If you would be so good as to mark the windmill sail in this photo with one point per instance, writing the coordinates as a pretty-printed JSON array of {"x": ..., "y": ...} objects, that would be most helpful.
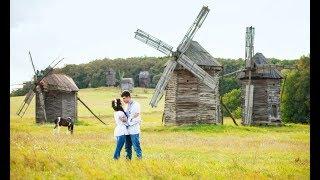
[
  {"x": 249, "y": 65},
  {"x": 153, "y": 42},
  {"x": 202, "y": 75},
  {"x": 162, "y": 83},
  {"x": 249, "y": 46},
  {"x": 25, "y": 103},
  {"x": 192, "y": 30},
  {"x": 248, "y": 105}
]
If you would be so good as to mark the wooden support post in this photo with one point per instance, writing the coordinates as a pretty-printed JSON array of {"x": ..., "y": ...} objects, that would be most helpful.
[
  {"x": 91, "y": 111},
  {"x": 234, "y": 121},
  {"x": 221, "y": 110},
  {"x": 282, "y": 89}
]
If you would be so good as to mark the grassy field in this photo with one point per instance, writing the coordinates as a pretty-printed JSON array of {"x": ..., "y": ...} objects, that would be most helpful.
[{"x": 185, "y": 152}]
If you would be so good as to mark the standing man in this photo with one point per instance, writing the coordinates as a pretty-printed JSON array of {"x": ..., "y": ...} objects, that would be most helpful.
[{"x": 134, "y": 120}]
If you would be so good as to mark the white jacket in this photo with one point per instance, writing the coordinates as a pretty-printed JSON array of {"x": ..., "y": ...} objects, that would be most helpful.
[
  {"x": 120, "y": 128},
  {"x": 134, "y": 123}
]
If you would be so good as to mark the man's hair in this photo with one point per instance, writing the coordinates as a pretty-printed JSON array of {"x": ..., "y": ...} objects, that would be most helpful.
[{"x": 125, "y": 94}]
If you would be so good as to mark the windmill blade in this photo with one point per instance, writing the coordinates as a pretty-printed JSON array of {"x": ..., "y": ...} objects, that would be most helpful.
[
  {"x": 37, "y": 82},
  {"x": 162, "y": 83},
  {"x": 202, "y": 75},
  {"x": 282, "y": 88},
  {"x": 90, "y": 110},
  {"x": 53, "y": 61},
  {"x": 34, "y": 69},
  {"x": 183, "y": 46},
  {"x": 234, "y": 72},
  {"x": 17, "y": 84},
  {"x": 248, "y": 105},
  {"x": 41, "y": 101},
  {"x": 25, "y": 103},
  {"x": 153, "y": 42},
  {"x": 249, "y": 46}
]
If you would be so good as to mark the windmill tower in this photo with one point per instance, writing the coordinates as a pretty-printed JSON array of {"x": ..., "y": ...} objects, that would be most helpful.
[
  {"x": 144, "y": 79},
  {"x": 56, "y": 95},
  {"x": 190, "y": 79},
  {"x": 260, "y": 87},
  {"x": 127, "y": 84},
  {"x": 110, "y": 77}
]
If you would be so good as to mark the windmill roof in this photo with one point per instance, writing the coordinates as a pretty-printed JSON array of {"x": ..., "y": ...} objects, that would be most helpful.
[
  {"x": 259, "y": 61},
  {"x": 200, "y": 56},
  {"x": 59, "y": 82},
  {"x": 110, "y": 72},
  {"x": 127, "y": 80},
  {"x": 143, "y": 74}
]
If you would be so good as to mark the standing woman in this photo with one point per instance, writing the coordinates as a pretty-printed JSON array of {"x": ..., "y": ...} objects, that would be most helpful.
[{"x": 120, "y": 130}]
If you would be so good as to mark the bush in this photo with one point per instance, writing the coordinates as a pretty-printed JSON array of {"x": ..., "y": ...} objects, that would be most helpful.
[{"x": 232, "y": 100}]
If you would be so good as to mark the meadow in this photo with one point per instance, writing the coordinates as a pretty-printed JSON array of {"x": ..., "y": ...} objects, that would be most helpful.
[{"x": 169, "y": 152}]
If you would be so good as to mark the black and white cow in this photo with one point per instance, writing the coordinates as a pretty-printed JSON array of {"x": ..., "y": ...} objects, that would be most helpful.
[{"x": 60, "y": 121}]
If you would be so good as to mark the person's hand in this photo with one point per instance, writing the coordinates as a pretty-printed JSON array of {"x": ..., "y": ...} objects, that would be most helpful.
[
  {"x": 136, "y": 115},
  {"x": 123, "y": 119}
]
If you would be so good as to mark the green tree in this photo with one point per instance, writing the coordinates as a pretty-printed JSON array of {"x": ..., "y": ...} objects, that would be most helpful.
[
  {"x": 295, "y": 103},
  {"x": 232, "y": 100}
]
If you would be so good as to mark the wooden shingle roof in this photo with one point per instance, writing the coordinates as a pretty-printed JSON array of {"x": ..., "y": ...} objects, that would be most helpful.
[
  {"x": 127, "y": 80},
  {"x": 259, "y": 63},
  {"x": 144, "y": 74},
  {"x": 200, "y": 56},
  {"x": 58, "y": 82}
]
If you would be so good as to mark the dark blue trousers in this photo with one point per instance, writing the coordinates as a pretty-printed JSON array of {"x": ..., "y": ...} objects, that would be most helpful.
[
  {"x": 133, "y": 140},
  {"x": 120, "y": 142}
]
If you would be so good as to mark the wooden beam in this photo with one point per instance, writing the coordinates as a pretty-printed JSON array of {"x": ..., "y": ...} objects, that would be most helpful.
[
  {"x": 234, "y": 121},
  {"x": 90, "y": 110}
]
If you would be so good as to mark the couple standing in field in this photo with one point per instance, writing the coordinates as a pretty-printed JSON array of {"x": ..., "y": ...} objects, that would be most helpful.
[{"x": 127, "y": 130}]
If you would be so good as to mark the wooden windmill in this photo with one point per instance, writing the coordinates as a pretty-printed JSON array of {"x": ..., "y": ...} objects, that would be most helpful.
[
  {"x": 144, "y": 79},
  {"x": 260, "y": 87},
  {"x": 56, "y": 95},
  {"x": 190, "y": 79},
  {"x": 110, "y": 77},
  {"x": 35, "y": 89}
]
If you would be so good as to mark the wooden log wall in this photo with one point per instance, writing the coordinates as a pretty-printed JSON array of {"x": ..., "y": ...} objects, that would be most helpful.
[
  {"x": 110, "y": 79},
  {"x": 144, "y": 82},
  {"x": 68, "y": 105},
  {"x": 209, "y": 102},
  {"x": 188, "y": 101},
  {"x": 170, "y": 100},
  {"x": 266, "y": 92},
  {"x": 274, "y": 100},
  {"x": 57, "y": 104},
  {"x": 126, "y": 86}
]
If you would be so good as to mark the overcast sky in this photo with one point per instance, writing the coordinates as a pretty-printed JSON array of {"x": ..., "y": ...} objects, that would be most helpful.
[{"x": 82, "y": 30}]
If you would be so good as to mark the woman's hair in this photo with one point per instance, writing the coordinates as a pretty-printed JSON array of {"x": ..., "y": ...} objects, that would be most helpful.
[{"x": 117, "y": 106}]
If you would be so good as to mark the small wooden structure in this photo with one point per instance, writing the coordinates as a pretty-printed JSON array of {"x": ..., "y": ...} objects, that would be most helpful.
[
  {"x": 59, "y": 96},
  {"x": 187, "y": 99},
  {"x": 266, "y": 92},
  {"x": 144, "y": 79},
  {"x": 127, "y": 84},
  {"x": 110, "y": 77}
]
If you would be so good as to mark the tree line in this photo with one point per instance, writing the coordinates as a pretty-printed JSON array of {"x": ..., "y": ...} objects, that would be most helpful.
[{"x": 295, "y": 101}]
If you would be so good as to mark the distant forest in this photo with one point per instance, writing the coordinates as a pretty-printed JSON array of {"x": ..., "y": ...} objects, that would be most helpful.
[{"x": 296, "y": 94}]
